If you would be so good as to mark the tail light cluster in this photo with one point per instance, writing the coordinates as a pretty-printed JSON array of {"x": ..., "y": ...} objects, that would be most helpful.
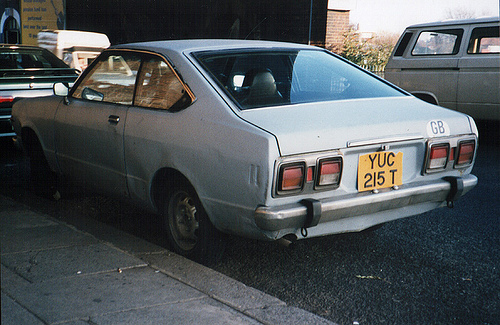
[
  {"x": 294, "y": 177},
  {"x": 440, "y": 155},
  {"x": 6, "y": 101}
]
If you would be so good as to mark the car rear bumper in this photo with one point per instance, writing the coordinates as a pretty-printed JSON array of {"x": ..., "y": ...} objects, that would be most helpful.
[{"x": 309, "y": 213}]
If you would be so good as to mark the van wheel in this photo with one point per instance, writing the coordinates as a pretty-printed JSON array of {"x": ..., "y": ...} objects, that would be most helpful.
[
  {"x": 43, "y": 181},
  {"x": 189, "y": 230}
]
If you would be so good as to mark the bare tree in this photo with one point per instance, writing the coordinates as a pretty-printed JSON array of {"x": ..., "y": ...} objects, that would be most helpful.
[{"x": 460, "y": 13}]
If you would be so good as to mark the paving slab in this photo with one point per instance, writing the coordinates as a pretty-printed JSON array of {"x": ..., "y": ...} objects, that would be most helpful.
[
  {"x": 203, "y": 311},
  {"x": 15, "y": 314},
  {"x": 214, "y": 284},
  {"x": 19, "y": 236},
  {"x": 74, "y": 298},
  {"x": 42, "y": 265}
]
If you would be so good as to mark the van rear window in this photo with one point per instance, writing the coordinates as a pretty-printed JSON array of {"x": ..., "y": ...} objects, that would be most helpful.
[
  {"x": 438, "y": 42},
  {"x": 484, "y": 40}
]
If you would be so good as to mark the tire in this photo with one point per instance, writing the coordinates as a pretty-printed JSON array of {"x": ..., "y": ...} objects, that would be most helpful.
[
  {"x": 189, "y": 230},
  {"x": 43, "y": 181}
]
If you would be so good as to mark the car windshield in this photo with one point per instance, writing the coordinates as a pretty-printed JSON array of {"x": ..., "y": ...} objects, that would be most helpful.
[{"x": 269, "y": 78}]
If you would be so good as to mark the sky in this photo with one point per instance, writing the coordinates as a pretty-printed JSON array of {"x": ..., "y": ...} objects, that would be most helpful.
[{"x": 394, "y": 15}]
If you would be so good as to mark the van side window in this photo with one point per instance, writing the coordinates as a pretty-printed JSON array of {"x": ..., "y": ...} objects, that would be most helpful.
[
  {"x": 438, "y": 42},
  {"x": 484, "y": 40},
  {"x": 403, "y": 44}
]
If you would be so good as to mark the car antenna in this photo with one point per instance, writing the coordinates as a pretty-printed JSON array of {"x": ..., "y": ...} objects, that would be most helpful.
[{"x": 255, "y": 27}]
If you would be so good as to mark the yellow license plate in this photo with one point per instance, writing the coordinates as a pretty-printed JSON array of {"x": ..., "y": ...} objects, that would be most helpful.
[{"x": 378, "y": 170}]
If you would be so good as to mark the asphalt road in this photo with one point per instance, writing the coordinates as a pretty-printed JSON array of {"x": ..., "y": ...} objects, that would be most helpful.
[{"x": 441, "y": 267}]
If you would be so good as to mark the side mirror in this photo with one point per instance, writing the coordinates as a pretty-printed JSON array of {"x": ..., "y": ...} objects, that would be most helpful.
[{"x": 61, "y": 89}]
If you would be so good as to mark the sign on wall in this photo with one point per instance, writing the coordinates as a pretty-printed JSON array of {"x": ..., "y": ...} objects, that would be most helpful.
[{"x": 37, "y": 15}]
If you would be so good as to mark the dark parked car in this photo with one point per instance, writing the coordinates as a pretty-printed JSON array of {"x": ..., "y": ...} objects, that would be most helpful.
[{"x": 27, "y": 71}]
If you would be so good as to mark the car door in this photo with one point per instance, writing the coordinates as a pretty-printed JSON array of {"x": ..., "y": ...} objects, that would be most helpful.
[
  {"x": 154, "y": 131},
  {"x": 89, "y": 126}
]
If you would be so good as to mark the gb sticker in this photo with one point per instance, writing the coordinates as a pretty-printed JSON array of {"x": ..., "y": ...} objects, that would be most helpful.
[{"x": 437, "y": 128}]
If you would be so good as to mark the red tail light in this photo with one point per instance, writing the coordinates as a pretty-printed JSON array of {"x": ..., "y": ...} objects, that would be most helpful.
[
  {"x": 6, "y": 99},
  {"x": 438, "y": 156},
  {"x": 291, "y": 177},
  {"x": 465, "y": 153},
  {"x": 329, "y": 172}
]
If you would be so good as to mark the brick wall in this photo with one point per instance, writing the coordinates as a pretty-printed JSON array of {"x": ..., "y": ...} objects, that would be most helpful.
[{"x": 337, "y": 24}]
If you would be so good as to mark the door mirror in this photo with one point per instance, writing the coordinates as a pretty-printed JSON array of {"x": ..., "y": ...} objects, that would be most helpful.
[{"x": 61, "y": 89}]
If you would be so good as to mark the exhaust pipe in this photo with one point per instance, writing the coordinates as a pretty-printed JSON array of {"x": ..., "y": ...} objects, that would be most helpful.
[{"x": 287, "y": 240}]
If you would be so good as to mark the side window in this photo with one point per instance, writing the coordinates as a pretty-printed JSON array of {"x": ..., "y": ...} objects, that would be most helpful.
[
  {"x": 484, "y": 40},
  {"x": 438, "y": 42},
  {"x": 111, "y": 80},
  {"x": 158, "y": 86}
]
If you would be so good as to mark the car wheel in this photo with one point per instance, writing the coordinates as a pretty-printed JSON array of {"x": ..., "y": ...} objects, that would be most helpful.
[
  {"x": 43, "y": 181},
  {"x": 189, "y": 230}
]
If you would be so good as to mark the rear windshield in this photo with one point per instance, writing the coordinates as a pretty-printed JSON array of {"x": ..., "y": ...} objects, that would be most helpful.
[
  {"x": 33, "y": 59},
  {"x": 273, "y": 77}
]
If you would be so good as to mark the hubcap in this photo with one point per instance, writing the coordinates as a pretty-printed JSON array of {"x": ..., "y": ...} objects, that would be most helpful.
[{"x": 183, "y": 221}]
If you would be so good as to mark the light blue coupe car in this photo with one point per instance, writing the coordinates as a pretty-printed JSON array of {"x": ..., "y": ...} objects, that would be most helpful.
[{"x": 266, "y": 140}]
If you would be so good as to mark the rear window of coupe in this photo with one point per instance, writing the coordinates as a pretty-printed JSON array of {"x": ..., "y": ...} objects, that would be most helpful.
[{"x": 260, "y": 78}]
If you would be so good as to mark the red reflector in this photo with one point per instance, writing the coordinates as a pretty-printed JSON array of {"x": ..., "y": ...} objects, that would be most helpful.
[
  {"x": 292, "y": 177},
  {"x": 329, "y": 172},
  {"x": 7, "y": 99},
  {"x": 438, "y": 156},
  {"x": 452, "y": 154},
  {"x": 310, "y": 174},
  {"x": 465, "y": 153}
]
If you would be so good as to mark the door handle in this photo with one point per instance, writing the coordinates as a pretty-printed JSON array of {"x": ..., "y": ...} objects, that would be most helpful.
[{"x": 113, "y": 119}]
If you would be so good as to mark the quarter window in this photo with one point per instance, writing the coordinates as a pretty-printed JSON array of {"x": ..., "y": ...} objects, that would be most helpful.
[
  {"x": 484, "y": 40},
  {"x": 438, "y": 42},
  {"x": 403, "y": 44},
  {"x": 158, "y": 86}
]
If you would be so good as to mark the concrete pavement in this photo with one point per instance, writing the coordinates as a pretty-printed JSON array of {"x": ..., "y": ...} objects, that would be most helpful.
[{"x": 54, "y": 273}]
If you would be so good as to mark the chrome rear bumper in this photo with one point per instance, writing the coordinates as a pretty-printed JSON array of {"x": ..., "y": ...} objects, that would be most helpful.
[{"x": 311, "y": 212}]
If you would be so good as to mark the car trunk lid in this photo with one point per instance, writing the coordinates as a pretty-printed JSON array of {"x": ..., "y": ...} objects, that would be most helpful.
[{"x": 330, "y": 125}]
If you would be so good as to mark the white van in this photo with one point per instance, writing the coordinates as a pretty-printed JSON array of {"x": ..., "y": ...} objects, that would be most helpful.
[
  {"x": 76, "y": 48},
  {"x": 455, "y": 64}
]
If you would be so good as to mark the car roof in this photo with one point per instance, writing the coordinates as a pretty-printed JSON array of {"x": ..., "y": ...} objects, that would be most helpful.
[
  {"x": 457, "y": 22},
  {"x": 208, "y": 44}
]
